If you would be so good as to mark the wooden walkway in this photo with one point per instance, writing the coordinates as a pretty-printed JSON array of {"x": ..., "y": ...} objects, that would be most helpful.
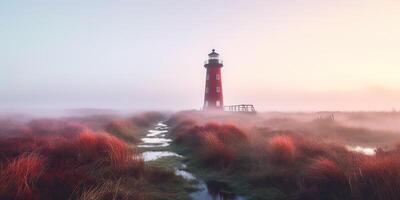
[{"x": 245, "y": 108}]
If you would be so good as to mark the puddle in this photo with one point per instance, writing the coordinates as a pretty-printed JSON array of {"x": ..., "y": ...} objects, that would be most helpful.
[
  {"x": 160, "y": 129},
  {"x": 186, "y": 175},
  {"x": 156, "y": 137},
  {"x": 364, "y": 150},
  {"x": 160, "y": 124},
  {"x": 154, "y": 155},
  {"x": 156, "y": 140},
  {"x": 153, "y": 133},
  {"x": 153, "y": 145},
  {"x": 213, "y": 190}
]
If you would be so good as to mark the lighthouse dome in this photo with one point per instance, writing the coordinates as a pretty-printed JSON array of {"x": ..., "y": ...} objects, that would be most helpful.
[
  {"x": 213, "y": 55},
  {"x": 213, "y": 60}
]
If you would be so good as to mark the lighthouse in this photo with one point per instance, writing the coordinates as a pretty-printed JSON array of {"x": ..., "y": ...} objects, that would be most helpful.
[{"x": 213, "y": 98}]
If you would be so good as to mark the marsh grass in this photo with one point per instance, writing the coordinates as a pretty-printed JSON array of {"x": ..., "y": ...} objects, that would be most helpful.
[
  {"x": 53, "y": 159},
  {"x": 288, "y": 163}
]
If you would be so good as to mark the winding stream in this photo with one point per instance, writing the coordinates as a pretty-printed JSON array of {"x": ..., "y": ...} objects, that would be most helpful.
[{"x": 158, "y": 137}]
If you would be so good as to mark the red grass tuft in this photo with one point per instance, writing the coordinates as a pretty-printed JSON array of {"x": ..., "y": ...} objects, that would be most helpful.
[
  {"x": 123, "y": 129},
  {"x": 217, "y": 144},
  {"x": 327, "y": 180},
  {"x": 325, "y": 170},
  {"x": 380, "y": 176},
  {"x": 215, "y": 152},
  {"x": 281, "y": 149},
  {"x": 117, "y": 151},
  {"x": 11, "y": 148},
  {"x": 188, "y": 133},
  {"x": 230, "y": 134},
  {"x": 21, "y": 174},
  {"x": 87, "y": 139},
  {"x": 96, "y": 146}
]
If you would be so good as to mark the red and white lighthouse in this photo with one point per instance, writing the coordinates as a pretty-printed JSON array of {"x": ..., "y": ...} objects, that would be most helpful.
[{"x": 213, "y": 98}]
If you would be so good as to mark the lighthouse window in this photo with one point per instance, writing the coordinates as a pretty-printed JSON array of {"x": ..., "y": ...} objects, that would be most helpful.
[
  {"x": 217, "y": 77},
  {"x": 218, "y": 89},
  {"x": 206, "y": 89},
  {"x": 218, "y": 103},
  {"x": 208, "y": 77}
]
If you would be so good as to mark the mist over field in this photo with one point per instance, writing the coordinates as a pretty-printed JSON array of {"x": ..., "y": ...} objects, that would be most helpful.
[{"x": 296, "y": 155}]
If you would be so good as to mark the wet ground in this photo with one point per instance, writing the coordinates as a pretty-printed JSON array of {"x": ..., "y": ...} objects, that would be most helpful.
[
  {"x": 364, "y": 150},
  {"x": 158, "y": 138}
]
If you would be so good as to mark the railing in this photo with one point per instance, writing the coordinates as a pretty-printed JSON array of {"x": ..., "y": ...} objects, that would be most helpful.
[
  {"x": 213, "y": 61},
  {"x": 246, "y": 108},
  {"x": 325, "y": 117}
]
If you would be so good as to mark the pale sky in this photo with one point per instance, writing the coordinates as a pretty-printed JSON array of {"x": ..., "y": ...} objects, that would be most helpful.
[{"x": 281, "y": 55}]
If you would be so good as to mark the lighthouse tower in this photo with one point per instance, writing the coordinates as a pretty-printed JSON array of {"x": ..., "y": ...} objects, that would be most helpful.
[{"x": 213, "y": 99}]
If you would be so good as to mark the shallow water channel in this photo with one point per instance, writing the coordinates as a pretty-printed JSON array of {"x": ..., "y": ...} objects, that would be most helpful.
[{"x": 158, "y": 137}]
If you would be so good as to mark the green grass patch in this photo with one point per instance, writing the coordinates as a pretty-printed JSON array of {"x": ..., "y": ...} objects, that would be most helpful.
[{"x": 237, "y": 180}]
